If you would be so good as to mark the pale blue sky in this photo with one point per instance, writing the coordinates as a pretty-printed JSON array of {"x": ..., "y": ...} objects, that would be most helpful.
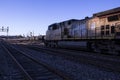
[{"x": 23, "y": 16}]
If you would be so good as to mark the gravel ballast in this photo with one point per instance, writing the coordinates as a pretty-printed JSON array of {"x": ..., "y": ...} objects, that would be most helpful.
[{"x": 75, "y": 70}]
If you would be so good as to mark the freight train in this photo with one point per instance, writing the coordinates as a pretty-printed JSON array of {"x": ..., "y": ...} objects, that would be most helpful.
[{"x": 100, "y": 33}]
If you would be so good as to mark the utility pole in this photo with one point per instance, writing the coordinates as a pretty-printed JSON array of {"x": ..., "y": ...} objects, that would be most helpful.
[{"x": 7, "y": 31}]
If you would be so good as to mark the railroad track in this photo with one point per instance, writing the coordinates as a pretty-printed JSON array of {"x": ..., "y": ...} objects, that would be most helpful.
[
  {"x": 31, "y": 68},
  {"x": 8, "y": 69},
  {"x": 108, "y": 62}
]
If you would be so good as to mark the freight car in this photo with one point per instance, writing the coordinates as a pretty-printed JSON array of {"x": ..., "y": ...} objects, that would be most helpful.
[{"x": 100, "y": 33}]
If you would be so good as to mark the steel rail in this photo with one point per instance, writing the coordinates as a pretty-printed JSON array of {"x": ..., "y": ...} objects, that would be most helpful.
[
  {"x": 45, "y": 65},
  {"x": 55, "y": 71},
  {"x": 22, "y": 69},
  {"x": 97, "y": 60}
]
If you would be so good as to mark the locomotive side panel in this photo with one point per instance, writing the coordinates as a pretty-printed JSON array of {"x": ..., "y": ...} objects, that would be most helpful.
[
  {"x": 109, "y": 26},
  {"x": 67, "y": 28},
  {"x": 79, "y": 29},
  {"x": 93, "y": 28},
  {"x": 109, "y": 22}
]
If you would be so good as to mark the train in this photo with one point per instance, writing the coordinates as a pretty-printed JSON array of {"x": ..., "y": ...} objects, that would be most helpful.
[{"x": 99, "y": 33}]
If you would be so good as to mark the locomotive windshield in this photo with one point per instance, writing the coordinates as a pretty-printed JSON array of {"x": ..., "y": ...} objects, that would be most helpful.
[{"x": 53, "y": 27}]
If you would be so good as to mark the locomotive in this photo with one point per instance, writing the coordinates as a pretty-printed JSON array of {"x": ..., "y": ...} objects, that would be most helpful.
[{"x": 100, "y": 33}]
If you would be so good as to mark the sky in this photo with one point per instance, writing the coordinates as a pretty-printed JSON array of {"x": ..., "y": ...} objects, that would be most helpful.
[{"x": 25, "y": 16}]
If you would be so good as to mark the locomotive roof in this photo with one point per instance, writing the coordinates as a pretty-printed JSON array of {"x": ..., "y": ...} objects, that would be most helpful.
[
  {"x": 64, "y": 21},
  {"x": 52, "y": 24},
  {"x": 70, "y": 20},
  {"x": 103, "y": 13}
]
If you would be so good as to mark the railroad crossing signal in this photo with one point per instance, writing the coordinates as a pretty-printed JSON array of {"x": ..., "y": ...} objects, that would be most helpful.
[{"x": 4, "y": 30}]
